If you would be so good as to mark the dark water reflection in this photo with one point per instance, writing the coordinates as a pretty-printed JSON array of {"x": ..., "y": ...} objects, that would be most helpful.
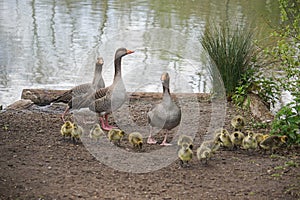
[{"x": 54, "y": 44}]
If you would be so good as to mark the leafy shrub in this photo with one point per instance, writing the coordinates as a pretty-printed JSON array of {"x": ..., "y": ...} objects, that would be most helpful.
[
  {"x": 287, "y": 122},
  {"x": 253, "y": 81}
]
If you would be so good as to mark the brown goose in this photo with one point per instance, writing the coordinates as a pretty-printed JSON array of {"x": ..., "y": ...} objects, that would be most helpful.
[
  {"x": 74, "y": 96},
  {"x": 106, "y": 100},
  {"x": 165, "y": 115}
]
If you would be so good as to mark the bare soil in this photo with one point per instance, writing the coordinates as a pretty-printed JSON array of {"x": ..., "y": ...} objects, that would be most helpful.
[{"x": 37, "y": 163}]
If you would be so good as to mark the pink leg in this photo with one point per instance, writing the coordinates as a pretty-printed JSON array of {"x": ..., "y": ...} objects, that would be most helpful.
[
  {"x": 64, "y": 114},
  {"x": 102, "y": 122},
  {"x": 105, "y": 124},
  {"x": 164, "y": 142},
  {"x": 150, "y": 139}
]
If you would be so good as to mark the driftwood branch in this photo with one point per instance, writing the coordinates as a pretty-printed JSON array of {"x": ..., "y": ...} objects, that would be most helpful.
[
  {"x": 45, "y": 97},
  {"x": 41, "y": 96}
]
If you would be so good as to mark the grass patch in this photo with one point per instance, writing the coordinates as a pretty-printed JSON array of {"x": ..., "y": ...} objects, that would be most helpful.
[
  {"x": 279, "y": 168},
  {"x": 231, "y": 50},
  {"x": 276, "y": 175}
]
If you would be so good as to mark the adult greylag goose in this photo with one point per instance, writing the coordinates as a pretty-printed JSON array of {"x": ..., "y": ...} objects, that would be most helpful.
[
  {"x": 74, "y": 96},
  {"x": 106, "y": 100},
  {"x": 165, "y": 115}
]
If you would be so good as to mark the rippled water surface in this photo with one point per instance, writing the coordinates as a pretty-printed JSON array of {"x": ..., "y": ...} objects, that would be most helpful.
[{"x": 54, "y": 44}]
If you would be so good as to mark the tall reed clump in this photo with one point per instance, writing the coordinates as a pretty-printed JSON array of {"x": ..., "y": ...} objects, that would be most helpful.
[{"x": 231, "y": 50}]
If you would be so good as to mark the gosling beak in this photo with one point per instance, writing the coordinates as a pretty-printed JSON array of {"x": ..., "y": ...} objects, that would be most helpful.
[{"x": 129, "y": 51}]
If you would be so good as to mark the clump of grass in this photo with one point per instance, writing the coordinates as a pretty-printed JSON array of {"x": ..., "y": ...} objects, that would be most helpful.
[{"x": 231, "y": 50}]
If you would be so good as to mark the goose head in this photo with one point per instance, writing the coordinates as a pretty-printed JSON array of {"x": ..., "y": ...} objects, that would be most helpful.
[
  {"x": 99, "y": 65},
  {"x": 122, "y": 52},
  {"x": 165, "y": 79},
  {"x": 100, "y": 61}
]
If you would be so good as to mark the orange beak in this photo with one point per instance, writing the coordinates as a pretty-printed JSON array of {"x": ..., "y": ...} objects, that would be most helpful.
[{"x": 129, "y": 51}]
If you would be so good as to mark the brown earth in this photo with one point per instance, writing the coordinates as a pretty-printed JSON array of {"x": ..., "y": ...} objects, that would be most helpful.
[{"x": 37, "y": 163}]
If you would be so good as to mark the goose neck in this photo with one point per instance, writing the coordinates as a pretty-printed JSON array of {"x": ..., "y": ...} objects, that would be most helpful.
[
  {"x": 117, "y": 68},
  {"x": 166, "y": 93},
  {"x": 97, "y": 74}
]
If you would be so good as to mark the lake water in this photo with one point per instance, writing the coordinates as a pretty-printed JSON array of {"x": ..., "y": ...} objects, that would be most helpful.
[{"x": 54, "y": 44}]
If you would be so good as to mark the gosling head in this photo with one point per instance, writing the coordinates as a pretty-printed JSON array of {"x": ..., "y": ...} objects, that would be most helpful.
[
  {"x": 140, "y": 144},
  {"x": 236, "y": 135},
  {"x": 185, "y": 147},
  {"x": 283, "y": 139},
  {"x": 206, "y": 154},
  {"x": 250, "y": 134},
  {"x": 75, "y": 126},
  {"x": 68, "y": 124},
  {"x": 121, "y": 133},
  {"x": 96, "y": 126},
  {"x": 224, "y": 133}
]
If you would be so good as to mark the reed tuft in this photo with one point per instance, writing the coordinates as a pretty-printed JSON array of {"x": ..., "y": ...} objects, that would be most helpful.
[{"x": 231, "y": 51}]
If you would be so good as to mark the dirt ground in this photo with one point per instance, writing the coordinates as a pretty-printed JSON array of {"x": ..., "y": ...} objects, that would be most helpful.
[{"x": 37, "y": 163}]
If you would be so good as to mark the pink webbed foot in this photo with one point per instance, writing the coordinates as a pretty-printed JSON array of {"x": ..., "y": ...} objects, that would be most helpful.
[
  {"x": 105, "y": 125},
  {"x": 108, "y": 127},
  {"x": 164, "y": 143},
  {"x": 150, "y": 140}
]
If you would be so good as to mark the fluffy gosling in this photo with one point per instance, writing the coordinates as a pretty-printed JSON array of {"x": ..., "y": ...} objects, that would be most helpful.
[
  {"x": 185, "y": 154},
  {"x": 76, "y": 133},
  {"x": 136, "y": 139},
  {"x": 115, "y": 136},
  {"x": 237, "y": 138},
  {"x": 207, "y": 149},
  {"x": 203, "y": 154},
  {"x": 249, "y": 141},
  {"x": 96, "y": 132},
  {"x": 260, "y": 137},
  {"x": 273, "y": 142},
  {"x": 214, "y": 145},
  {"x": 66, "y": 129},
  {"x": 224, "y": 137},
  {"x": 238, "y": 122},
  {"x": 185, "y": 139}
]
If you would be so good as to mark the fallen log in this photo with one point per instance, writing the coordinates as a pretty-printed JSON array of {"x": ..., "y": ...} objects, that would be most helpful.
[
  {"x": 41, "y": 97},
  {"x": 44, "y": 97},
  {"x": 21, "y": 104}
]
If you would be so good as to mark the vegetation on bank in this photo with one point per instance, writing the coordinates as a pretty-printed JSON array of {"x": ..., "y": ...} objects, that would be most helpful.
[
  {"x": 231, "y": 51},
  {"x": 286, "y": 60},
  {"x": 267, "y": 71}
]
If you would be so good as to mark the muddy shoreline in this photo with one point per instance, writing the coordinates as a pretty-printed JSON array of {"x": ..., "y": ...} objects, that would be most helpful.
[{"x": 37, "y": 163}]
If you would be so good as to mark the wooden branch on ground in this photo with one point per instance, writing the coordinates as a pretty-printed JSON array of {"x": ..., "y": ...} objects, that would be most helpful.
[{"x": 43, "y": 97}]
